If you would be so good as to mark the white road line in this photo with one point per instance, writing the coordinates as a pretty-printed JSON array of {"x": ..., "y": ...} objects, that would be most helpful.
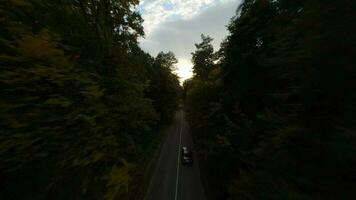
[{"x": 180, "y": 143}]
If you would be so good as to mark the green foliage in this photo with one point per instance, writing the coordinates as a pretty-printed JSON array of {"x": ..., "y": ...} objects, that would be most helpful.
[
  {"x": 119, "y": 181},
  {"x": 280, "y": 124},
  {"x": 203, "y": 57},
  {"x": 75, "y": 110},
  {"x": 163, "y": 81},
  {"x": 166, "y": 60}
]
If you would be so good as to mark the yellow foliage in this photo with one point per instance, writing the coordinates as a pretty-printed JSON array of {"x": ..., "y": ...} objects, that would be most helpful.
[
  {"x": 119, "y": 180},
  {"x": 41, "y": 46},
  {"x": 20, "y": 3},
  {"x": 94, "y": 91},
  {"x": 59, "y": 101}
]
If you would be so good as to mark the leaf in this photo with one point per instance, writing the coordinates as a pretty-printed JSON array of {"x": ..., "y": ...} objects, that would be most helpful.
[
  {"x": 118, "y": 180},
  {"x": 20, "y": 2},
  {"x": 86, "y": 118},
  {"x": 59, "y": 101}
]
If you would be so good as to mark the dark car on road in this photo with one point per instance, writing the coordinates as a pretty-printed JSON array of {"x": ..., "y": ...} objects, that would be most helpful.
[{"x": 187, "y": 156}]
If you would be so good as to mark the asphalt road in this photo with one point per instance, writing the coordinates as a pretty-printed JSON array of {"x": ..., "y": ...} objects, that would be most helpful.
[{"x": 171, "y": 180}]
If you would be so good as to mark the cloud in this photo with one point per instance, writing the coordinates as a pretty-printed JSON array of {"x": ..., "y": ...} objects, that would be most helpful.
[
  {"x": 177, "y": 25},
  {"x": 157, "y": 11}
]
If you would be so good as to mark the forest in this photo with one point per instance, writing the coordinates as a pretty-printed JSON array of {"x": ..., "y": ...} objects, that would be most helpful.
[
  {"x": 81, "y": 103},
  {"x": 272, "y": 111}
]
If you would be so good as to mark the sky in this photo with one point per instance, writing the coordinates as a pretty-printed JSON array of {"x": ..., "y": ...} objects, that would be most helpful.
[{"x": 176, "y": 25}]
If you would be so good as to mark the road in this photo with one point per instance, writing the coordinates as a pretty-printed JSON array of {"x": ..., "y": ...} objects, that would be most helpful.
[{"x": 171, "y": 180}]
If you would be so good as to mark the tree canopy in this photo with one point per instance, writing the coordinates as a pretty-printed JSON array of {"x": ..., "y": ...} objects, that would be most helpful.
[
  {"x": 203, "y": 57},
  {"x": 77, "y": 109},
  {"x": 273, "y": 119}
]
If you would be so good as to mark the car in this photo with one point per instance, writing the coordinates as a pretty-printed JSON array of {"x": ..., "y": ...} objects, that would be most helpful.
[{"x": 187, "y": 156}]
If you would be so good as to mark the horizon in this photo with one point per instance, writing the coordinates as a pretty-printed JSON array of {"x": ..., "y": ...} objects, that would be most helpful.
[{"x": 165, "y": 23}]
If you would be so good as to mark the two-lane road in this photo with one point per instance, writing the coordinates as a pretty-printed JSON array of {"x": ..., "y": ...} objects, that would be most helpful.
[{"x": 171, "y": 180}]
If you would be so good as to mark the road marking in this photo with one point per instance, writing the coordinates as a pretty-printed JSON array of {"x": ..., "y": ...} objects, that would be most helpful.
[{"x": 180, "y": 143}]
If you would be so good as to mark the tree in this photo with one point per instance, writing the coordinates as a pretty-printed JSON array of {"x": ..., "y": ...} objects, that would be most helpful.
[
  {"x": 166, "y": 60},
  {"x": 75, "y": 111},
  {"x": 114, "y": 22},
  {"x": 278, "y": 125},
  {"x": 164, "y": 81},
  {"x": 203, "y": 57}
]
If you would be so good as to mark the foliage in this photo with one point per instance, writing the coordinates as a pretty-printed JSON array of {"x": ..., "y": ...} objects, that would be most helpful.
[
  {"x": 165, "y": 82},
  {"x": 203, "y": 57},
  {"x": 75, "y": 111},
  {"x": 280, "y": 124}
]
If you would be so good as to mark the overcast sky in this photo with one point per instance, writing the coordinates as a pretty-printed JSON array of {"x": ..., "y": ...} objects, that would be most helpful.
[{"x": 175, "y": 25}]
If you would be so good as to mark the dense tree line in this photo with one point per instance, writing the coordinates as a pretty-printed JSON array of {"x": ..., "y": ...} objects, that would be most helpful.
[
  {"x": 273, "y": 110},
  {"x": 80, "y": 102}
]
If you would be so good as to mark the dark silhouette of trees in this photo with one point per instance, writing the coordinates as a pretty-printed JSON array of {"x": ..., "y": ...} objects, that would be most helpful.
[
  {"x": 164, "y": 82},
  {"x": 203, "y": 57},
  {"x": 77, "y": 112},
  {"x": 273, "y": 119}
]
